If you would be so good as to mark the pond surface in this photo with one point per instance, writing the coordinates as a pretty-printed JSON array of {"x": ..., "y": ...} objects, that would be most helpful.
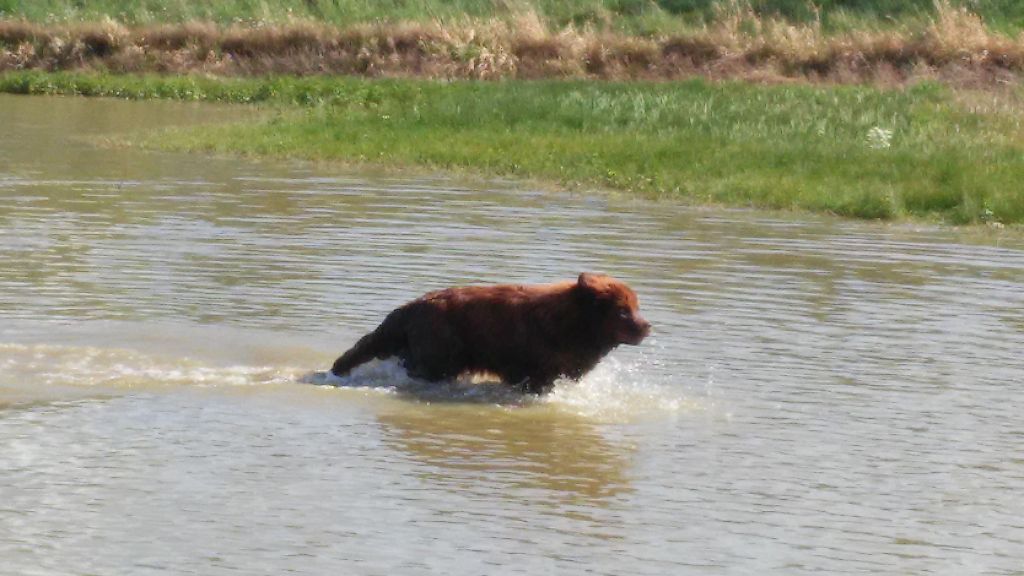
[{"x": 818, "y": 396}]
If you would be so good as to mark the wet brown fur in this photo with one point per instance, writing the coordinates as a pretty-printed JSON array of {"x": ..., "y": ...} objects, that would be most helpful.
[{"x": 528, "y": 335}]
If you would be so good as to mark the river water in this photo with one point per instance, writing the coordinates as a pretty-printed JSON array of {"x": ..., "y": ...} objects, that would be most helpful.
[{"x": 818, "y": 395}]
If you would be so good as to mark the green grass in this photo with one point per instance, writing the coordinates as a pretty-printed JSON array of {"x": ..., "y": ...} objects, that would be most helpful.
[
  {"x": 782, "y": 147},
  {"x": 645, "y": 16}
]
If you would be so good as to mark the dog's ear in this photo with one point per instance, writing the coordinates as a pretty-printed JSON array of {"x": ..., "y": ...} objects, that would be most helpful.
[{"x": 593, "y": 283}]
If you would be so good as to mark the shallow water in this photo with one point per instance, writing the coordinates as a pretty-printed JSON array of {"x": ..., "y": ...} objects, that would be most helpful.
[{"x": 819, "y": 396}]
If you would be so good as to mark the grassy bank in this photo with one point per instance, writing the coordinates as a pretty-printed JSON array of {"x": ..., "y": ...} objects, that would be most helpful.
[
  {"x": 950, "y": 44},
  {"x": 925, "y": 152},
  {"x": 632, "y": 16}
]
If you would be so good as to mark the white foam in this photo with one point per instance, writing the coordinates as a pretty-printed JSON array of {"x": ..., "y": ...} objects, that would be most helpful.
[
  {"x": 91, "y": 366},
  {"x": 614, "y": 391},
  {"x": 383, "y": 376},
  {"x": 389, "y": 377},
  {"x": 619, "y": 391}
]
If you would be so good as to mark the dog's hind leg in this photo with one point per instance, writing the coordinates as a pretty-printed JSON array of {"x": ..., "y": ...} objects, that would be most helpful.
[
  {"x": 435, "y": 351},
  {"x": 387, "y": 340}
]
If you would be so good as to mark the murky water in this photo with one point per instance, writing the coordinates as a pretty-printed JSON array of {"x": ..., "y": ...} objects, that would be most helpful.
[{"x": 819, "y": 396}]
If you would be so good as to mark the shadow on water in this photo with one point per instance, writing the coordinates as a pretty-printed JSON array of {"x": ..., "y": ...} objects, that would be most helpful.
[
  {"x": 490, "y": 438},
  {"x": 510, "y": 451}
]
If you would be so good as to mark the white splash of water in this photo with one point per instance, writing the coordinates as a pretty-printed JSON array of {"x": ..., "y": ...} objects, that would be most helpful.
[
  {"x": 389, "y": 377},
  {"x": 89, "y": 366},
  {"x": 377, "y": 376},
  {"x": 614, "y": 391},
  {"x": 619, "y": 391}
]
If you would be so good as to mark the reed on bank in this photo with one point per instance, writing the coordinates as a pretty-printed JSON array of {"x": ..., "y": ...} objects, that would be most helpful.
[
  {"x": 632, "y": 16},
  {"x": 925, "y": 151},
  {"x": 950, "y": 43}
]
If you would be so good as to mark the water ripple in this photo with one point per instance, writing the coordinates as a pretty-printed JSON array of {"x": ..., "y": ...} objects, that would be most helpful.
[{"x": 819, "y": 396}]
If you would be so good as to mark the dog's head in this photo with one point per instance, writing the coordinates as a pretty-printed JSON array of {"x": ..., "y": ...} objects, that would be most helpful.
[{"x": 616, "y": 306}]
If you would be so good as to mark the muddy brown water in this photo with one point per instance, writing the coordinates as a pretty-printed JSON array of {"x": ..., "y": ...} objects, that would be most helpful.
[{"x": 819, "y": 395}]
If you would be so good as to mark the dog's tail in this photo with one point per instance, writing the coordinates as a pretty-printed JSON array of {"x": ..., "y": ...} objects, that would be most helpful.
[{"x": 387, "y": 340}]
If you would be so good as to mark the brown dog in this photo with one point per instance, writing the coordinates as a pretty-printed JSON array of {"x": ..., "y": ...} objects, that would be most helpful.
[{"x": 527, "y": 335}]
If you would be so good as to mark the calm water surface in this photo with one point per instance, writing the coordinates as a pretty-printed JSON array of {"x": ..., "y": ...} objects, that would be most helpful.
[{"x": 819, "y": 396}]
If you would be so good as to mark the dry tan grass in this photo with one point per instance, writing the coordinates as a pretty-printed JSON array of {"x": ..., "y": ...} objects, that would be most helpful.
[{"x": 955, "y": 46}]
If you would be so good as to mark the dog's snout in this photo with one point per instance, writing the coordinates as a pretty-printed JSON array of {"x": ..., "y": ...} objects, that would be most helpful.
[{"x": 645, "y": 326}]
